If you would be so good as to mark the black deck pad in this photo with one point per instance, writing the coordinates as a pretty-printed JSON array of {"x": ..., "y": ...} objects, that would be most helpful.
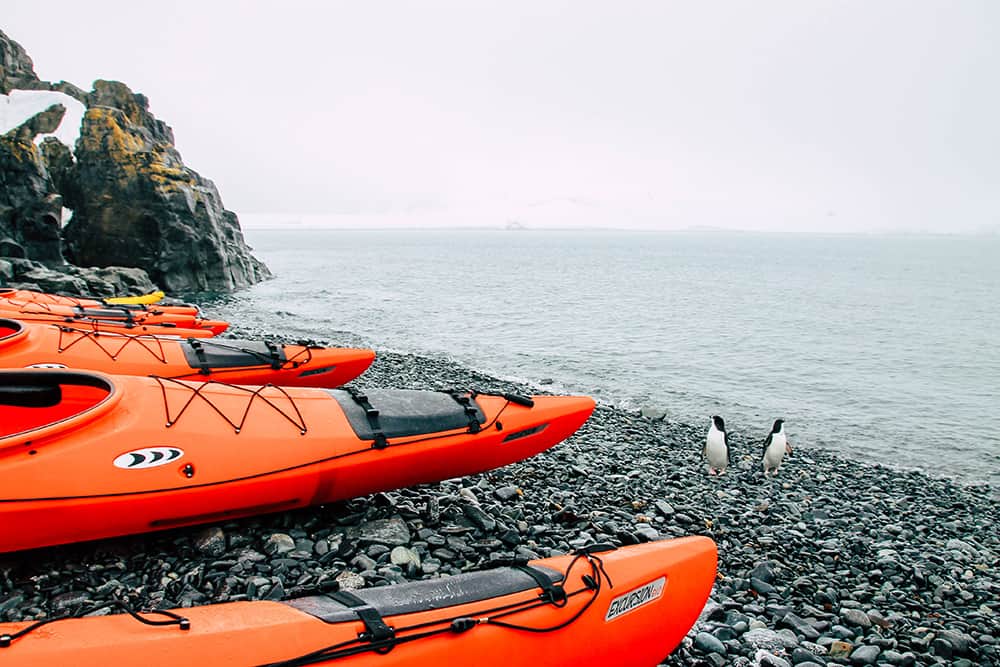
[
  {"x": 404, "y": 412},
  {"x": 425, "y": 595},
  {"x": 110, "y": 313},
  {"x": 228, "y": 353}
]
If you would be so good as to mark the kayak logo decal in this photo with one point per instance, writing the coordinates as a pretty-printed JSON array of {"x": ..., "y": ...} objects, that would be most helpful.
[
  {"x": 148, "y": 457},
  {"x": 635, "y": 598},
  {"x": 46, "y": 366}
]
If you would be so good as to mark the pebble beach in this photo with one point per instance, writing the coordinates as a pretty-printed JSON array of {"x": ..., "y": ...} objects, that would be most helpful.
[{"x": 834, "y": 561}]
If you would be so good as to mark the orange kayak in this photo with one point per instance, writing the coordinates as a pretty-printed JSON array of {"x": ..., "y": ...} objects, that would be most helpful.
[
  {"x": 105, "y": 327},
  {"x": 27, "y": 345},
  {"x": 133, "y": 303},
  {"x": 127, "y": 316},
  {"x": 85, "y": 455},
  {"x": 628, "y": 607}
]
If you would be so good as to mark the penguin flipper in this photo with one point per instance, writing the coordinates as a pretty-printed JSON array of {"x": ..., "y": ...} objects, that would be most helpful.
[
  {"x": 767, "y": 443},
  {"x": 729, "y": 454}
]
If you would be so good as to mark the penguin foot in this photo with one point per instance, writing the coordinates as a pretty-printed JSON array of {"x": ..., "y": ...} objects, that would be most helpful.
[{"x": 711, "y": 471}]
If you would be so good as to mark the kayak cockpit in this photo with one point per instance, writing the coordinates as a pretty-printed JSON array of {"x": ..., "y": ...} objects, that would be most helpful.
[
  {"x": 9, "y": 330},
  {"x": 34, "y": 400}
]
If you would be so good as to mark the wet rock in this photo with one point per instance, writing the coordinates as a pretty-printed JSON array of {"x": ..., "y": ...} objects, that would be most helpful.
[
  {"x": 390, "y": 532},
  {"x": 762, "y": 572},
  {"x": 800, "y": 626},
  {"x": 506, "y": 493},
  {"x": 278, "y": 543},
  {"x": 865, "y": 655},
  {"x": 479, "y": 517},
  {"x": 856, "y": 617},
  {"x": 141, "y": 206},
  {"x": 404, "y": 557},
  {"x": 839, "y": 649},
  {"x": 707, "y": 643},
  {"x": 211, "y": 541},
  {"x": 767, "y": 659},
  {"x": 350, "y": 581}
]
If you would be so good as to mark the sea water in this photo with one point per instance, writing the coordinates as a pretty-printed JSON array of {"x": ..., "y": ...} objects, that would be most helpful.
[{"x": 883, "y": 348}]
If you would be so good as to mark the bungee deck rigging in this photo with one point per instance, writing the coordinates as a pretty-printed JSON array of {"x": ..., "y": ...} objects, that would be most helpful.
[
  {"x": 559, "y": 611},
  {"x": 24, "y": 344},
  {"x": 93, "y": 459}
]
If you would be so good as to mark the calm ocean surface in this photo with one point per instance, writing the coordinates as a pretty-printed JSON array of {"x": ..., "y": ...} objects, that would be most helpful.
[{"x": 885, "y": 348}]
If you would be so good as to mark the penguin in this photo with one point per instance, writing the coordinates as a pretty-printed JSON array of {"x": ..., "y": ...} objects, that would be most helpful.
[
  {"x": 775, "y": 447},
  {"x": 717, "y": 446}
]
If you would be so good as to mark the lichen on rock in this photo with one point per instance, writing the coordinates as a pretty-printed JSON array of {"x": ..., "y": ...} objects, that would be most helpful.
[
  {"x": 140, "y": 205},
  {"x": 134, "y": 202}
]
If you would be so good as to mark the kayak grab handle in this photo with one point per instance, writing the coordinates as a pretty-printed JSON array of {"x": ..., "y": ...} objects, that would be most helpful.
[{"x": 520, "y": 400}]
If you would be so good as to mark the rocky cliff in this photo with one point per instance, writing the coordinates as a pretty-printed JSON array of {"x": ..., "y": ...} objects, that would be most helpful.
[{"x": 133, "y": 201}]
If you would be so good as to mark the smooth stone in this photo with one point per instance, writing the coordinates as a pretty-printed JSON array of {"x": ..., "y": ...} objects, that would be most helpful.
[
  {"x": 801, "y": 655},
  {"x": 767, "y": 659},
  {"x": 856, "y": 617},
  {"x": 865, "y": 655},
  {"x": 278, "y": 543},
  {"x": 708, "y": 643},
  {"x": 961, "y": 642},
  {"x": 942, "y": 648},
  {"x": 764, "y": 639},
  {"x": 350, "y": 581},
  {"x": 800, "y": 626},
  {"x": 839, "y": 649},
  {"x": 900, "y": 659},
  {"x": 761, "y": 587},
  {"x": 390, "y": 532},
  {"x": 211, "y": 541},
  {"x": 404, "y": 557},
  {"x": 842, "y": 632},
  {"x": 479, "y": 517},
  {"x": 663, "y": 507},
  {"x": 506, "y": 493},
  {"x": 762, "y": 571}
]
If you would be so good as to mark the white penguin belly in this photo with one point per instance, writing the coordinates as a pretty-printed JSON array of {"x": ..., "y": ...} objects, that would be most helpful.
[
  {"x": 715, "y": 450},
  {"x": 775, "y": 452}
]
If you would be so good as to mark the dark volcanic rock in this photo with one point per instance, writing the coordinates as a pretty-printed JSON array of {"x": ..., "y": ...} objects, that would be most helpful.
[
  {"x": 134, "y": 201},
  {"x": 137, "y": 204},
  {"x": 30, "y": 207},
  {"x": 16, "y": 68}
]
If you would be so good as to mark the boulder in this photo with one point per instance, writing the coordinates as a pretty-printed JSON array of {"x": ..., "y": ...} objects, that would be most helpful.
[
  {"x": 30, "y": 207},
  {"x": 107, "y": 281},
  {"x": 16, "y": 68},
  {"x": 137, "y": 204}
]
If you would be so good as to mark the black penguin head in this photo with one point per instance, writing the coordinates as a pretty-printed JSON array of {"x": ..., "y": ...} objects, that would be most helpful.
[
  {"x": 719, "y": 424},
  {"x": 778, "y": 423}
]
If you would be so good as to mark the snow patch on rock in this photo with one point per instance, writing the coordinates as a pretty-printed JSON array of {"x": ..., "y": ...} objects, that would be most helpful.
[{"x": 21, "y": 105}]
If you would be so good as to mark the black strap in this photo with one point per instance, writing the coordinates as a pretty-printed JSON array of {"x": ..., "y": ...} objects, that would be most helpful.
[
  {"x": 274, "y": 353},
  {"x": 554, "y": 593},
  {"x": 372, "y": 414},
  {"x": 465, "y": 400},
  {"x": 375, "y": 628},
  {"x": 199, "y": 351}
]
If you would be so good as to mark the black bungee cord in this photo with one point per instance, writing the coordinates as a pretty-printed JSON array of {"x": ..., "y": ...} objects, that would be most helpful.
[
  {"x": 171, "y": 619},
  {"x": 593, "y": 582}
]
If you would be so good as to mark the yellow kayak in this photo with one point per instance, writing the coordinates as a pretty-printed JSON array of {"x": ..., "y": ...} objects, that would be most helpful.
[{"x": 145, "y": 299}]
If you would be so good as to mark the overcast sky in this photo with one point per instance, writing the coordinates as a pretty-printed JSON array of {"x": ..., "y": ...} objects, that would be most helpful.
[{"x": 839, "y": 116}]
